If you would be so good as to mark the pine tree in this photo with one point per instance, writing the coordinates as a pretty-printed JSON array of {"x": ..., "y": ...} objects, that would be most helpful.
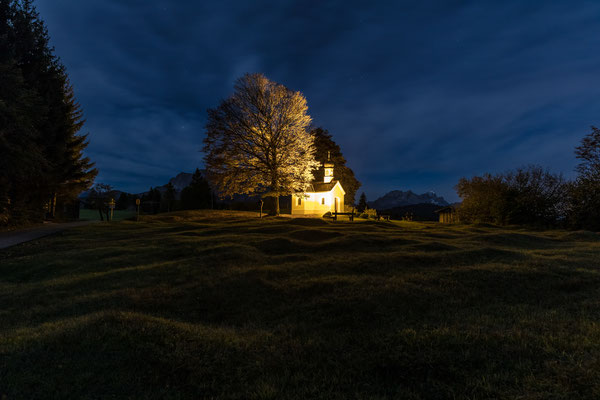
[
  {"x": 123, "y": 202},
  {"x": 325, "y": 146},
  {"x": 74, "y": 172},
  {"x": 362, "y": 202},
  {"x": 155, "y": 197},
  {"x": 22, "y": 163},
  {"x": 197, "y": 194},
  {"x": 169, "y": 197},
  {"x": 257, "y": 141},
  {"x": 39, "y": 135}
]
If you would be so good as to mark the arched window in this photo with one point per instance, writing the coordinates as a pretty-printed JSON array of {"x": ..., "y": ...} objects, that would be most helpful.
[
  {"x": 323, "y": 200},
  {"x": 299, "y": 201}
]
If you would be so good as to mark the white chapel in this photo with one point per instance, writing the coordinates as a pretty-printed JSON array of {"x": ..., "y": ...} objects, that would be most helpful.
[{"x": 320, "y": 197}]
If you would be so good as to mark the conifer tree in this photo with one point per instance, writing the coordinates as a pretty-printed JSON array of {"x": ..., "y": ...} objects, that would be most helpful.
[
  {"x": 22, "y": 162},
  {"x": 326, "y": 147},
  {"x": 197, "y": 194},
  {"x": 362, "y": 202},
  {"x": 169, "y": 197},
  {"x": 123, "y": 202},
  {"x": 41, "y": 147}
]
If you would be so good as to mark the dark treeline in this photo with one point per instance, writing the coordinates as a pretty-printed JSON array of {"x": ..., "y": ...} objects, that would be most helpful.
[
  {"x": 534, "y": 196},
  {"x": 42, "y": 166},
  {"x": 197, "y": 195}
]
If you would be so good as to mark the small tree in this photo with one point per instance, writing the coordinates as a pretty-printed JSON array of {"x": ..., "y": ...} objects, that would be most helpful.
[
  {"x": 584, "y": 192},
  {"x": 362, "y": 202},
  {"x": 536, "y": 196},
  {"x": 257, "y": 141},
  {"x": 155, "y": 197},
  {"x": 99, "y": 199},
  {"x": 197, "y": 194},
  {"x": 123, "y": 202},
  {"x": 169, "y": 197},
  {"x": 589, "y": 155},
  {"x": 528, "y": 195}
]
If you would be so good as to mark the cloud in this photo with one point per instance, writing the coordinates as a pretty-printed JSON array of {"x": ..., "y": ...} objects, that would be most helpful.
[{"x": 417, "y": 94}]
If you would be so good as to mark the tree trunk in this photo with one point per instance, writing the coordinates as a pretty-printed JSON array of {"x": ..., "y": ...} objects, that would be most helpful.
[
  {"x": 277, "y": 205},
  {"x": 53, "y": 206},
  {"x": 100, "y": 212}
]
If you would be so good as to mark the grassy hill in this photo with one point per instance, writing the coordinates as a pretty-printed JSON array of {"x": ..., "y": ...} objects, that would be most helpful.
[{"x": 198, "y": 305}]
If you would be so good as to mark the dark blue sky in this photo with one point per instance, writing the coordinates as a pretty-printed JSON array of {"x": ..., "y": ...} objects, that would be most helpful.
[{"x": 417, "y": 93}]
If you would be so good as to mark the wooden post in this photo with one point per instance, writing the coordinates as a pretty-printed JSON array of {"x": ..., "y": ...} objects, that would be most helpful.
[
  {"x": 111, "y": 206},
  {"x": 53, "y": 210}
]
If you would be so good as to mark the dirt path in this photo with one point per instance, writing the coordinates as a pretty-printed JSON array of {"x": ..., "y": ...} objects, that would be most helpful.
[{"x": 13, "y": 238}]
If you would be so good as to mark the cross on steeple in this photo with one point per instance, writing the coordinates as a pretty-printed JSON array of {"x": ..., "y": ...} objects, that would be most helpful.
[{"x": 328, "y": 166}]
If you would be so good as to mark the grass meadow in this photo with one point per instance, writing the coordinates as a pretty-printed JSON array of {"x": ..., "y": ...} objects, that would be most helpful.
[
  {"x": 86, "y": 214},
  {"x": 198, "y": 305}
]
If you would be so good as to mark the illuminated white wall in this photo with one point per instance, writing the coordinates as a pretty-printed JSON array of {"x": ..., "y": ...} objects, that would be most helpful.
[{"x": 312, "y": 202}]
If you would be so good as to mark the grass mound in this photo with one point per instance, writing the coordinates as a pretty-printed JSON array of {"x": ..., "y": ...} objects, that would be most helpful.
[
  {"x": 484, "y": 225},
  {"x": 582, "y": 236},
  {"x": 514, "y": 239},
  {"x": 314, "y": 235},
  {"x": 308, "y": 222},
  {"x": 270, "y": 229},
  {"x": 280, "y": 246},
  {"x": 229, "y": 252},
  {"x": 434, "y": 246},
  {"x": 229, "y": 306}
]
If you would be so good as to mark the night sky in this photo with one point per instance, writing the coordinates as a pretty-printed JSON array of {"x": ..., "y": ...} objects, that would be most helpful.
[{"x": 416, "y": 93}]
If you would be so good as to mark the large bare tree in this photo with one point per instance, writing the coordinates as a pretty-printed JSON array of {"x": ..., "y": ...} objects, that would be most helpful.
[{"x": 257, "y": 141}]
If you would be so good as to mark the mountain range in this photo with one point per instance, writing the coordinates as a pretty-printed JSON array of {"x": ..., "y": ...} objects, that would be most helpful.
[
  {"x": 399, "y": 198},
  {"x": 179, "y": 182},
  {"x": 393, "y": 199}
]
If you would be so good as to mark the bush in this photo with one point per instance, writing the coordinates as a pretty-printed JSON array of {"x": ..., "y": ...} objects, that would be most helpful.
[
  {"x": 529, "y": 195},
  {"x": 368, "y": 213},
  {"x": 583, "y": 211}
]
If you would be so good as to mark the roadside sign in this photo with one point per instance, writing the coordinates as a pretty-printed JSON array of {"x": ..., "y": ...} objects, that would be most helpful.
[
  {"x": 111, "y": 205},
  {"x": 137, "y": 202}
]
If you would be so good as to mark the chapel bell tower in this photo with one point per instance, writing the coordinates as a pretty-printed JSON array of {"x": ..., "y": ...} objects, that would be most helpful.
[{"x": 328, "y": 166}]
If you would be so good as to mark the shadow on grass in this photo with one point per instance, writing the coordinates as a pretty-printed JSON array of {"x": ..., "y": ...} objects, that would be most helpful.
[{"x": 236, "y": 308}]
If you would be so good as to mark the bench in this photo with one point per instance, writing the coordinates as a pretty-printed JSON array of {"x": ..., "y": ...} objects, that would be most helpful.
[{"x": 351, "y": 214}]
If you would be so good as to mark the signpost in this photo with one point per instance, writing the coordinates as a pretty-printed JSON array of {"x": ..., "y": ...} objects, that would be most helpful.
[
  {"x": 137, "y": 204},
  {"x": 111, "y": 205}
]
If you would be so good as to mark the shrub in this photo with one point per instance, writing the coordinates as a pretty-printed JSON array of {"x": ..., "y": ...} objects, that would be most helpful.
[
  {"x": 528, "y": 195},
  {"x": 369, "y": 213},
  {"x": 583, "y": 211}
]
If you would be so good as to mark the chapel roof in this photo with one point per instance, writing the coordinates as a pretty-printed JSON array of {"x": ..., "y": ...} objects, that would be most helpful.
[{"x": 321, "y": 186}]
